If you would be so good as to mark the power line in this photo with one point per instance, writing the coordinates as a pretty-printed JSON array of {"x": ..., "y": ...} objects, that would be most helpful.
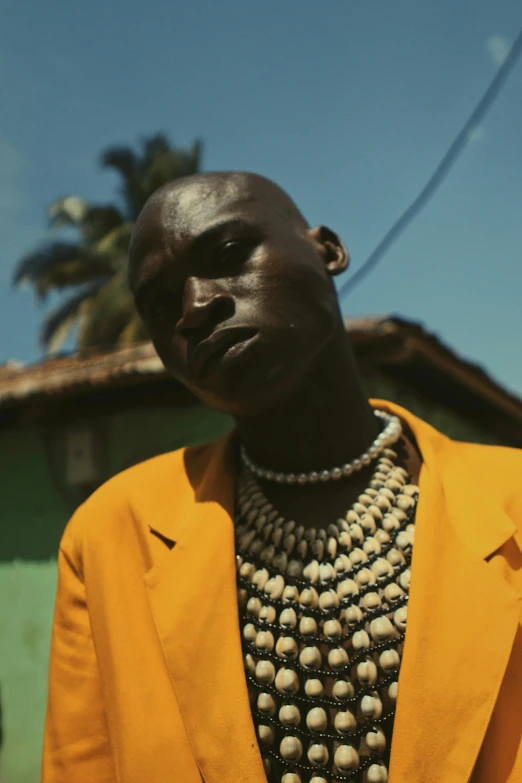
[{"x": 440, "y": 172}]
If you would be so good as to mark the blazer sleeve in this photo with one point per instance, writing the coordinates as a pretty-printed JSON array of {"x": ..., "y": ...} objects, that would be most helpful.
[{"x": 76, "y": 741}]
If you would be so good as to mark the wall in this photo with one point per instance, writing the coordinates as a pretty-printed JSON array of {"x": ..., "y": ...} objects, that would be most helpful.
[{"x": 36, "y": 504}]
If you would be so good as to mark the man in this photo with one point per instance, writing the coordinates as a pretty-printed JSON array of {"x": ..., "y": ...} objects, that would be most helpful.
[{"x": 304, "y": 518}]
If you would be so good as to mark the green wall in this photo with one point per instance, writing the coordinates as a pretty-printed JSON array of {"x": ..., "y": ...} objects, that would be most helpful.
[{"x": 36, "y": 504}]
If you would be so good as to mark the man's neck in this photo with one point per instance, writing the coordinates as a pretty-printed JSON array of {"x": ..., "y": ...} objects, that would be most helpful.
[{"x": 327, "y": 422}]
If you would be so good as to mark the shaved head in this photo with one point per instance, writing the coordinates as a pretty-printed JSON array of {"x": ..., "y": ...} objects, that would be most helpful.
[
  {"x": 231, "y": 187},
  {"x": 223, "y": 266}
]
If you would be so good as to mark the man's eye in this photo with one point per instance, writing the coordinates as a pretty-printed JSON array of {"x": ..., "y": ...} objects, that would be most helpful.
[{"x": 232, "y": 253}]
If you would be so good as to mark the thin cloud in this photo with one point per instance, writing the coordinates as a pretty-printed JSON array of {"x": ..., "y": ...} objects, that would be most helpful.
[{"x": 497, "y": 48}]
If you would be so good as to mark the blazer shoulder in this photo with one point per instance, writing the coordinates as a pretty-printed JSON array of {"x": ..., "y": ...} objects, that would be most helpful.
[
  {"x": 499, "y": 468},
  {"x": 120, "y": 501}
]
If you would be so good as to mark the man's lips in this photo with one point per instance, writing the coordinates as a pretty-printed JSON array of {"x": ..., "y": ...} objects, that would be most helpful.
[{"x": 215, "y": 346}]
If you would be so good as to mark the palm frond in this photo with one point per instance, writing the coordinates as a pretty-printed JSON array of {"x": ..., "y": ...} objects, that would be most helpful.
[
  {"x": 107, "y": 314},
  {"x": 115, "y": 242},
  {"x": 60, "y": 321},
  {"x": 68, "y": 211},
  {"x": 99, "y": 221},
  {"x": 58, "y": 265}
]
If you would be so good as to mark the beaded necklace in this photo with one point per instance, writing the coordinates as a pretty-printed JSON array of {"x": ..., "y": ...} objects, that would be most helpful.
[{"x": 323, "y": 618}]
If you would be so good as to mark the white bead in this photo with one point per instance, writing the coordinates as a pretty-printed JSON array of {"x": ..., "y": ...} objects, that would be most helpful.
[
  {"x": 254, "y": 606},
  {"x": 310, "y": 658},
  {"x": 318, "y": 754},
  {"x": 280, "y": 561},
  {"x": 345, "y": 540},
  {"x": 347, "y": 588},
  {"x": 314, "y": 688},
  {"x": 249, "y": 632},
  {"x": 286, "y": 647},
  {"x": 337, "y": 658},
  {"x": 404, "y": 579},
  {"x": 371, "y": 601},
  {"x": 288, "y": 618},
  {"x": 328, "y": 600},
  {"x": 382, "y": 568},
  {"x": 365, "y": 577},
  {"x": 353, "y": 615},
  {"x": 309, "y": 597},
  {"x": 367, "y": 673},
  {"x": 290, "y": 594},
  {"x": 308, "y": 626},
  {"x": 360, "y": 640},
  {"x": 247, "y": 570},
  {"x": 289, "y": 715},
  {"x": 264, "y": 641},
  {"x": 405, "y": 502},
  {"x": 389, "y": 660},
  {"x": 356, "y": 533},
  {"x": 291, "y": 777},
  {"x": 260, "y": 578},
  {"x": 332, "y": 629},
  {"x": 267, "y": 614},
  {"x": 317, "y": 720},
  {"x": 250, "y": 665},
  {"x": 376, "y": 740},
  {"x": 266, "y": 704},
  {"x": 381, "y": 629},
  {"x": 345, "y": 722},
  {"x": 357, "y": 556},
  {"x": 400, "y": 617},
  {"x": 274, "y": 587},
  {"x": 311, "y": 572},
  {"x": 377, "y": 774},
  {"x": 393, "y": 690},
  {"x": 342, "y": 564},
  {"x": 291, "y": 748},
  {"x": 343, "y": 689},
  {"x": 393, "y": 592},
  {"x": 346, "y": 757},
  {"x": 327, "y": 572},
  {"x": 287, "y": 681},
  {"x": 318, "y": 779},
  {"x": 295, "y": 568},
  {"x": 265, "y": 672},
  {"x": 266, "y": 734},
  {"x": 371, "y": 707}
]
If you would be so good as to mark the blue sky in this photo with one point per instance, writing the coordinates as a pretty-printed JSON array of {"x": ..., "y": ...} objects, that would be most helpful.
[{"x": 348, "y": 105}]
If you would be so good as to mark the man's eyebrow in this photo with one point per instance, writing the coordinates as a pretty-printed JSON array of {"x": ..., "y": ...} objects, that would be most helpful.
[
  {"x": 209, "y": 235},
  {"x": 216, "y": 230}
]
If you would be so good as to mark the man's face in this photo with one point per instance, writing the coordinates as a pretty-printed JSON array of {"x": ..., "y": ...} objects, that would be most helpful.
[{"x": 236, "y": 297}]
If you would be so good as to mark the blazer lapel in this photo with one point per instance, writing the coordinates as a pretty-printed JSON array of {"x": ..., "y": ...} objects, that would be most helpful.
[
  {"x": 193, "y": 597},
  {"x": 462, "y": 620}
]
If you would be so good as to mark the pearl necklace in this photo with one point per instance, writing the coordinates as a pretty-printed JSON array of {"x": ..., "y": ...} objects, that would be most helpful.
[
  {"x": 323, "y": 617},
  {"x": 390, "y": 434}
]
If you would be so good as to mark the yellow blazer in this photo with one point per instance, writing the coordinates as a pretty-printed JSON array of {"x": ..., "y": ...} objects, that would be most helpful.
[{"x": 146, "y": 674}]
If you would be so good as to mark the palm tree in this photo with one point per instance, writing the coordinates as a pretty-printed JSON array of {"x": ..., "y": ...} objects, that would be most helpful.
[{"x": 92, "y": 269}]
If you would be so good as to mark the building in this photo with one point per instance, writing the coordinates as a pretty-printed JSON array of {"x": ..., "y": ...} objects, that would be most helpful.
[{"x": 69, "y": 423}]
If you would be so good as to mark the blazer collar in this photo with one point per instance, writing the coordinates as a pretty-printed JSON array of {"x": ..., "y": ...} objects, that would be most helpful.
[{"x": 462, "y": 616}]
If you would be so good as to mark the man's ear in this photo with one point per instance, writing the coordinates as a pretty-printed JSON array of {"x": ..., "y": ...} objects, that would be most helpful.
[{"x": 335, "y": 255}]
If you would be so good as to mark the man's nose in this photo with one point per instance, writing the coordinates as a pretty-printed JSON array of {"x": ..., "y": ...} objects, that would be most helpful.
[{"x": 205, "y": 305}]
